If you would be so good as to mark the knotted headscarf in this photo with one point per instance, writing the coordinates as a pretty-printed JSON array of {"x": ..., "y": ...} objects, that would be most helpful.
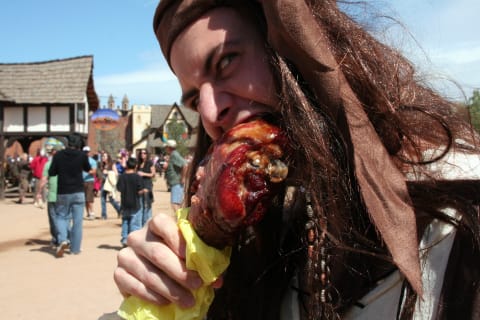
[{"x": 295, "y": 34}]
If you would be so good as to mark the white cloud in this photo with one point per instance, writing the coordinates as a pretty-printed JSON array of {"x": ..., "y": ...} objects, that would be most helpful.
[
  {"x": 467, "y": 53},
  {"x": 458, "y": 19},
  {"x": 448, "y": 47},
  {"x": 458, "y": 62},
  {"x": 153, "y": 85},
  {"x": 152, "y": 75}
]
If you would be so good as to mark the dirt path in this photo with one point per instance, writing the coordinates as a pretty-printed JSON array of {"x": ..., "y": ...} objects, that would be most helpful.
[{"x": 35, "y": 285}]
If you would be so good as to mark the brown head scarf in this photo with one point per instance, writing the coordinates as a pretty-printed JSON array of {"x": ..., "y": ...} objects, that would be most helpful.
[{"x": 295, "y": 34}]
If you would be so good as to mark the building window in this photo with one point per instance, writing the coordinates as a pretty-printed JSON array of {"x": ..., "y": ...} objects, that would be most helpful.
[
  {"x": 13, "y": 119},
  {"x": 60, "y": 118},
  {"x": 81, "y": 112},
  {"x": 36, "y": 119}
]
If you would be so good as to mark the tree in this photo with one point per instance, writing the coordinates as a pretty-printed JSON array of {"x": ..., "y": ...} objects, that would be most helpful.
[
  {"x": 108, "y": 141},
  {"x": 176, "y": 130},
  {"x": 474, "y": 109}
]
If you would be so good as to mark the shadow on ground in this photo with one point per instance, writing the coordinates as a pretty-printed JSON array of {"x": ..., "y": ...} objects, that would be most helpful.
[
  {"x": 109, "y": 247},
  {"x": 46, "y": 246}
]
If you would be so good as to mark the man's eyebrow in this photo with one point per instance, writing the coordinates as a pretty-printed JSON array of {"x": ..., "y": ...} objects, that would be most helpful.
[{"x": 187, "y": 95}]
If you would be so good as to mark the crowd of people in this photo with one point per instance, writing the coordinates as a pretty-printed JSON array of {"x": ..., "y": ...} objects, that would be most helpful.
[
  {"x": 68, "y": 179},
  {"x": 25, "y": 172}
]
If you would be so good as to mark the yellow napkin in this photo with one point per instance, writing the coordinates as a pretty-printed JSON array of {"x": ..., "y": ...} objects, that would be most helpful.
[{"x": 209, "y": 262}]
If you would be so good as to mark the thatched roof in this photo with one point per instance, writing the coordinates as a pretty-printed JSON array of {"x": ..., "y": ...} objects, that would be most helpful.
[{"x": 55, "y": 81}]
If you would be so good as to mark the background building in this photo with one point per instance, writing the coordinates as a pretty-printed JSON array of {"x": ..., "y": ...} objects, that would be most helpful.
[{"x": 43, "y": 99}]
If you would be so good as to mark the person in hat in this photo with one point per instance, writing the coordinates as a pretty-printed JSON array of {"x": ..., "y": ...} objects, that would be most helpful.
[
  {"x": 380, "y": 218},
  {"x": 50, "y": 183},
  {"x": 175, "y": 171}
]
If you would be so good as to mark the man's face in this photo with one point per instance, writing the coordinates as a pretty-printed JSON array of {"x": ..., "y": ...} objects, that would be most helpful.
[{"x": 223, "y": 70}]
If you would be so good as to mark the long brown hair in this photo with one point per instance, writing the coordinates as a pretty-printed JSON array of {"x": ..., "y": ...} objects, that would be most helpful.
[
  {"x": 142, "y": 162},
  {"x": 108, "y": 164},
  {"x": 409, "y": 118}
]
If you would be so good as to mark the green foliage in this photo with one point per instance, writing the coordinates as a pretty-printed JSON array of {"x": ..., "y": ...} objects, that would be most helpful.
[
  {"x": 474, "y": 109},
  {"x": 178, "y": 132},
  {"x": 109, "y": 141}
]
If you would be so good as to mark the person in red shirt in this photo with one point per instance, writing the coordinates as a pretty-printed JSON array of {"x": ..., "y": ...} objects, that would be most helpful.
[{"x": 37, "y": 165}]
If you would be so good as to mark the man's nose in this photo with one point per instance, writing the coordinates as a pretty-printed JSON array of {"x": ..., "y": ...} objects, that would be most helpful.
[{"x": 213, "y": 102}]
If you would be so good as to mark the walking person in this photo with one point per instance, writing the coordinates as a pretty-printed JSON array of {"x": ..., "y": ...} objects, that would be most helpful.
[
  {"x": 378, "y": 217},
  {"x": 36, "y": 165},
  {"x": 146, "y": 170},
  {"x": 88, "y": 183},
  {"x": 175, "y": 171},
  {"x": 97, "y": 177},
  {"x": 131, "y": 188},
  {"x": 50, "y": 184},
  {"x": 22, "y": 166},
  {"x": 68, "y": 165},
  {"x": 108, "y": 188},
  {"x": 121, "y": 162}
]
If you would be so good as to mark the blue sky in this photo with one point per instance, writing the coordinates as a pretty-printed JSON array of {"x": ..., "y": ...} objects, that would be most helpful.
[{"x": 127, "y": 59}]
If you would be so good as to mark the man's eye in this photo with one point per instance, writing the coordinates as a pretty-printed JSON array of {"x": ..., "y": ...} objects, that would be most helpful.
[{"x": 225, "y": 61}]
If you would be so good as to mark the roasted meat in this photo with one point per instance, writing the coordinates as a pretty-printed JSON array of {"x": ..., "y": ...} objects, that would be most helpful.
[{"x": 240, "y": 176}]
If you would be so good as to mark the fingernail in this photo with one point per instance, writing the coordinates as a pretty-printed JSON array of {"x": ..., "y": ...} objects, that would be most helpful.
[{"x": 196, "y": 283}]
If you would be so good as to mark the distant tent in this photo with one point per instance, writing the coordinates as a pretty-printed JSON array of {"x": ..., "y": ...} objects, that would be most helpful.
[
  {"x": 105, "y": 119},
  {"x": 55, "y": 143}
]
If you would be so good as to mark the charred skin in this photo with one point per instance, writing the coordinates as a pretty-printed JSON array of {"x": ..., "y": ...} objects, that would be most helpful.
[{"x": 242, "y": 173}]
